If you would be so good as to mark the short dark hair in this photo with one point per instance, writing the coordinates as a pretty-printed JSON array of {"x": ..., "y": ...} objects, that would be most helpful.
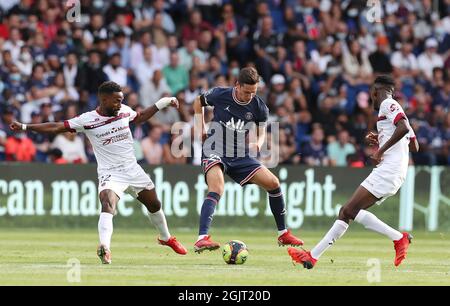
[
  {"x": 109, "y": 88},
  {"x": 385, "y": 80},
  {"x": 249, "y": 76}
]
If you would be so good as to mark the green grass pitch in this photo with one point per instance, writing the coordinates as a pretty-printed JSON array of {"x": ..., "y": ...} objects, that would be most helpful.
[{"x": 40, "y": 257}]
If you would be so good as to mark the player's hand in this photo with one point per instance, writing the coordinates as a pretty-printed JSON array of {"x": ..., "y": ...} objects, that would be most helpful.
[
  {"x": 377, "y": 156},
  {"x": 167, "y": 101},
  {"x": 16, "y": 126},
  {"x": 372, "y": 139},
  {"x": 175, "y": 103}
]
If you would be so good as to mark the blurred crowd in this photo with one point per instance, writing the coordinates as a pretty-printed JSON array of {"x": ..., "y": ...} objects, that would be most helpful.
[{"x": 317, "y": 59}]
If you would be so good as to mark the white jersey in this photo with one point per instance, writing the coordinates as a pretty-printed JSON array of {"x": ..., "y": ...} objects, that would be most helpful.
[
  {"x": 110, "y": 137},
  {"x": 397, "y": 156},
  {"x": 389, "y": 175}
]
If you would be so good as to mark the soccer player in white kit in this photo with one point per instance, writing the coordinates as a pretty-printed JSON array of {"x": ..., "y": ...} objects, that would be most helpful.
[
  {"x": 395, "y": 139},
  {"x": 107, "y": 128}
]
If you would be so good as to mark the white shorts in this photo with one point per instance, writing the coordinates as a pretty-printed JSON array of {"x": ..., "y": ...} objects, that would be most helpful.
[
  {"x": 383, "y": 186},
  {"x": 131, "y": 180}
]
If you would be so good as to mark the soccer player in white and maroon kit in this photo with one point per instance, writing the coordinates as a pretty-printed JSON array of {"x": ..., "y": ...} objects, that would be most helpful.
[
  {"x": 108, "y": 130},
  {"x": 395, "y": 139}
]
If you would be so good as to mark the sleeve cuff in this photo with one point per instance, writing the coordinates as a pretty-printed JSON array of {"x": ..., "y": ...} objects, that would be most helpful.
[
  {"x": 399, "y": 117},
  {"x": 67, "y": 126}
]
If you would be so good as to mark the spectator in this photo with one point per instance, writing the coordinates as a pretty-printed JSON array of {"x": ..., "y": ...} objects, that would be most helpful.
[
  {"x": 19, "y": 148},
  {"x": 152, "y": 147},
  {"x": 145, "y": 71},
  {"x": 56, "y": 157},
  {"x": 266, "y": 42},
  {"x": 115, "y": 72},
  {"x": 176, "y": 75},
  {"x": 153, "y": 89},
  {"x": 314, "y": 152},
  {"x": 340, "y": 149},
  {"x": 72, "y": 147},
  {"x": 430, "y": 59}
]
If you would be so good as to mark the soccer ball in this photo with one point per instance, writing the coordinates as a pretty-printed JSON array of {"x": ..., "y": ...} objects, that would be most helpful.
[{"x": 235, "y": 252}]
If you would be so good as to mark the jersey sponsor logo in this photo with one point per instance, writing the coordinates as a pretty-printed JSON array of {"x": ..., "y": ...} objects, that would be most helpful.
[
  {"x": 96, "y": 125},
  {"x": 112, "y": 131},
  {"x": 116, "y": 138}
]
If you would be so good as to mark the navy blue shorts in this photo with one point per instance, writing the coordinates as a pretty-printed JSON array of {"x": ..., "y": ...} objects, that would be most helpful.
[{"x": 240, "y": 169}]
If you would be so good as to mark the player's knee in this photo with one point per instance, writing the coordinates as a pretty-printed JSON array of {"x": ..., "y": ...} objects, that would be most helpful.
[
  {"x": 108, "y": 207},
  {"x": 273, "y": 183},
  {"x": 155, "y": 206},
  {"x": 347, "y": 213}
]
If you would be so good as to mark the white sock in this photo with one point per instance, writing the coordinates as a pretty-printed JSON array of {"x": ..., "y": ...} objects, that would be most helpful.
[
  {"x": 337, "y": 231},
  {"x": 282, "y": 232},
  {"x": 200, "y": 237},
  {"x": 159, "y": 221},
  {"x": 105, "y": 229},
  {"x": 370, "y": 221}
]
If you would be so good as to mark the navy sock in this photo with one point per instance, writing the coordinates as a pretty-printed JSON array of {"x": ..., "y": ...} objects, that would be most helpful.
[
  {"x": 207, "y": 213},
  {"x": 278, "y": 208}
]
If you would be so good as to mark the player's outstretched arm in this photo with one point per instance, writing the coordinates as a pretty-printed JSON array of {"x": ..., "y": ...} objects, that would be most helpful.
[
  {"x": 47, "y": 128},
  {"x": 400, "y": 132},
  {"x": 149, "y": 112}
]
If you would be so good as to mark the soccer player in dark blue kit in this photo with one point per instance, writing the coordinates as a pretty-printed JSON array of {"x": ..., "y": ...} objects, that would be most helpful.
[{"x": 226, "y": 149}]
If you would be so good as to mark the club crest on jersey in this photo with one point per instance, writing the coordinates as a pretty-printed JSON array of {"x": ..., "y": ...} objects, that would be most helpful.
[{"x": 249, "y": 116}]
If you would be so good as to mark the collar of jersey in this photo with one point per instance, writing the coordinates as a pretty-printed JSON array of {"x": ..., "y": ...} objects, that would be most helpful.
[{"x": 236, "y": 99}]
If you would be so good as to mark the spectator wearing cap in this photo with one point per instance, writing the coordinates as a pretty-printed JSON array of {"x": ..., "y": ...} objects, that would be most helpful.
[
  {"x": 278, "y": 93},
  {"x": 430, "y": 59},
  {"x": 340, "y": 149},
  {"x": 379, "y": 59}
]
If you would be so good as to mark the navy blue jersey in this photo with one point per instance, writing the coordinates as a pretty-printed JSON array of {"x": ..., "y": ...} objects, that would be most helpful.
[{"x": 228, "y": 133}]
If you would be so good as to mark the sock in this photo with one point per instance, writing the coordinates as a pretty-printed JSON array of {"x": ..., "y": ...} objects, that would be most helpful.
[
  {"x": 277, "y": 207},
  {"x": 200, "y": 237},
  {"x": 282, "y": 232},
  {"x": 371, "y": 222},
  {"x": 159, "y": 221},
  {"x": 105, "y": 229},
  {"x": 337, "y": 231},
  {"x": 207, "y": 213}
]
